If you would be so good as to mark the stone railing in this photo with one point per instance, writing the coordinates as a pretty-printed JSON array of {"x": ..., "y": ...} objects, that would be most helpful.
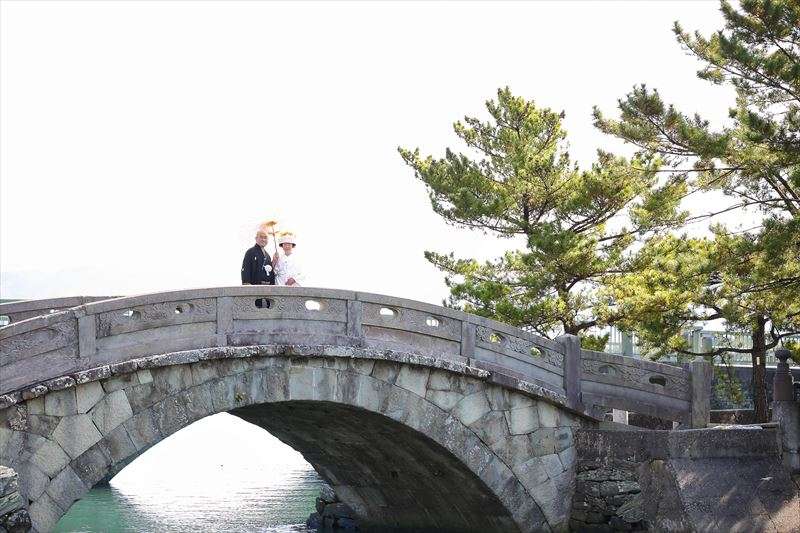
[
  {"x": 24, "y": 309},
  {"x": 113, "y": 331}
]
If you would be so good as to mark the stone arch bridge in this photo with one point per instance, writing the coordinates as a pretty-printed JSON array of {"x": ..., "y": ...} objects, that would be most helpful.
[{"x": 420, "y": 417}]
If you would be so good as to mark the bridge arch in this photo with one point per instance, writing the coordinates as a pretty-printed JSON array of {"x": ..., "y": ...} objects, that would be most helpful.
[{"x": 408, "y": 443}]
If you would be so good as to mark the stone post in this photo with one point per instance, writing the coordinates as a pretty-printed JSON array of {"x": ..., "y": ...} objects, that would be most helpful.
[
  {"x": 572, "y": 370},
  {"x": 87, "y": 336},
  {"x": 786, "y": 411},
  {"x": 701, "y": 371},
  {"x": 467, "y": 340},
  {"x": 355, "y": 311},
  {"x": 224, "y": 319}
]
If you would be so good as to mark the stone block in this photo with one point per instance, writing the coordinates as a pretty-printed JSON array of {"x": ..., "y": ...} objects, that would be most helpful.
[
  {"x": 361, "y": 366},
  {"x": 548, "y": 415},
  {"x": 552, "y": 464},
  {"x": 563, "y": 436},
  {"x": 143, "y": 396},
  {"x": 92, "y": 465},
  {"x": 120, "y": 382},
  {"x": 568, "y": 457},
  {"x": 75, "y": 434},
  {"x": 386, "y": 371},
  {"x": 513, "y": 449},
  {"x": 197, "y": 402},
  {"x": 204, "y": 371},
  {"x": 498, "y": 398},
  {"x": 532, "y": 472},
  {"x": 66, "y": 487},
  {"x": 170, "y": 416},
  {"x": 42, "y": 424},
  {"x": 223, "y": 394},
  {"x": 230, "y": 367},
  {"x": 144, "y": 376},
  {"x": 543, "y": 441},
  {"x": 371, "y": 393},
  {"x": 36, "y": 406},
  {"x": 347, "y": 384},
  {"x": 61, "y": 403},
  {"x": 45, "y": 513},
  {"x": 471, "y": 408},
  {"x": 440, "y": 380},
  {"x": 446, "y": 399},
  {"x": 88, "y": 394},
  {"x": 301, "y": 383},
  {"x": 32, "y": 481},
  {"x": 414, "y": 379},
  {"x": 276, "y": 384},
  {"x": 26, "y": 444},
  {"x": 111, "y": 411},
  {"x": 50, "y": 458},
  {"x": 172, "y": 379},
  {"x": 491, "y": 427},
  {"x": 142, "y": 429},
  {"x": 119, "y": 445},
  {"x": 522, "y": 420}
]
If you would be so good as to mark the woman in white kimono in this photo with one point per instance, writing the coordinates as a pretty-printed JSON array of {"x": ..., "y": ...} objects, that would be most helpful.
[{"x": 287, "y": 270}]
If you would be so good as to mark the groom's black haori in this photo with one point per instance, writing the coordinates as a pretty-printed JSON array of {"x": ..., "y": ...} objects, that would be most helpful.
[{"x": 254, "y": 271}]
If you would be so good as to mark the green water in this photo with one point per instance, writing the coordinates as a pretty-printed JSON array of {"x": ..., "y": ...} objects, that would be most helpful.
[{"x": 220, "y": 474}]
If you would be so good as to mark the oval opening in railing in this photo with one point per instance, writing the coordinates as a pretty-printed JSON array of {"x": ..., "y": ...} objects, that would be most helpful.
[
  {"x": 313, "y": 305},
  {"x": 535, "y": 352},
  {"x": 263, "y": 303},
  {"x": 130, "y": 313},
  {"x": 182, "y": 308},
  {"x": 432, "y": 322},
  {"x": 494, "y": 338},
  {"x": 387, "y": 312},
  {"x": 607, "y": 370},
  {"x": 658, "y": 380}
]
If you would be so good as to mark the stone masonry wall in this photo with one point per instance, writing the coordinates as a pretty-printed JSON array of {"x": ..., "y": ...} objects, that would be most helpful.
[{"x": 696, "y": 480}]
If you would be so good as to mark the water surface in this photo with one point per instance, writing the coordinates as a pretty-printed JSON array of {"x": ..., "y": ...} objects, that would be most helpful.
[{"x": 219, "y": 474}]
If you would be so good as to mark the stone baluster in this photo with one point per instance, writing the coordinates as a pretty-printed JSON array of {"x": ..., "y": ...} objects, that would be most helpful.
[
  {"x": 355, "y": 312},
  {"x": 702, "y": 371},
  {"x": 87, "y": 335},
  {"x": 572, "y": 370},
  {"x": 224, "y": 319},
  {"x": 786, "y": 411},
  {"x": 467, "y": 340}
]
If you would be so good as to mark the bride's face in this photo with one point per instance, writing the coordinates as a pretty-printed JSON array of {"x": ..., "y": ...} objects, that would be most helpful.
[{"x": 287, "y": 248}]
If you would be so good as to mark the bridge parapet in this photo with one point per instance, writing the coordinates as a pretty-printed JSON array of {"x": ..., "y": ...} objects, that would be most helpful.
[
  {"x": 18, "y": 311},
  {"x": 113, "y": 331}
]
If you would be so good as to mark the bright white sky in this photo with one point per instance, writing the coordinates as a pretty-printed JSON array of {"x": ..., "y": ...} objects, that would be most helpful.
[{"x": 143, "y": 141}]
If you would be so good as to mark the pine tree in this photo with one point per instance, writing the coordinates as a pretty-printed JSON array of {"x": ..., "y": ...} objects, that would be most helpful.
[
  {"x": 750, "y": 279},
  {"x": 577, "y": 225}
]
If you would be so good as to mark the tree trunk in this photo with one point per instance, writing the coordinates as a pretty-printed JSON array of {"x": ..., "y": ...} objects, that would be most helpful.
[{"x": 759, "y": 359}]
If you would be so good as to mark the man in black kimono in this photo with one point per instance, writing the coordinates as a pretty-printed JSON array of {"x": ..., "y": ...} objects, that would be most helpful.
[{"x": 257, "y": 265}]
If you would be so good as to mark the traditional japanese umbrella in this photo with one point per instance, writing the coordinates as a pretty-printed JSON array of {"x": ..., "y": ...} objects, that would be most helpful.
[{"x": 269, "y": 227}]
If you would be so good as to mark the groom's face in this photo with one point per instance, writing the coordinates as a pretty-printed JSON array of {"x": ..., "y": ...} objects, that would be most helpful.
[{"x": 261, "y": 239}]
